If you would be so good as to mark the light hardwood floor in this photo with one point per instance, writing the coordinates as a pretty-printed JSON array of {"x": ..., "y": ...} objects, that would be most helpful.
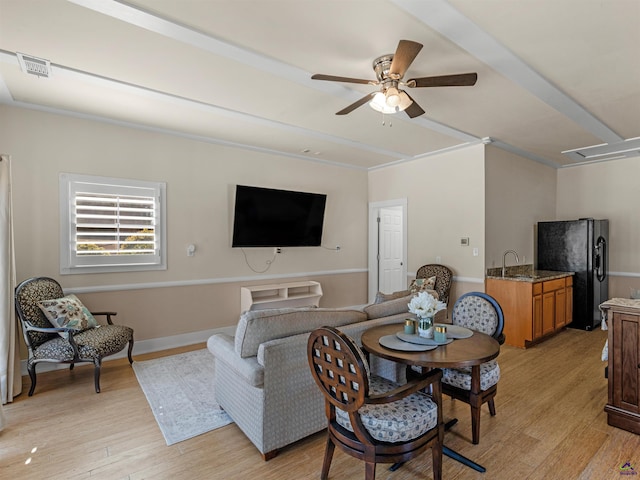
[{"x": 550, "y": 424}]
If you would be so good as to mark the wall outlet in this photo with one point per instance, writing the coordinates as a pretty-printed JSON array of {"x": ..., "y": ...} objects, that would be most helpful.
[
  {"x": 438, "y": 259},
  {"x": 476, "y": 252},
  {"x": 277, "y": 250},
  {"x": 337, "y": 248}
]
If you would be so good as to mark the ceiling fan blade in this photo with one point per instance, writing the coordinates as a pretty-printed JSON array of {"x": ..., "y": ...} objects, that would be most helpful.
[
  {"x": 333, "y": 78},
  {"x": 460, "y": 80},
  {"x": 404, "y": 56},
  {"x": 414, "y": 110},
  {"x": 357, "y": 104}
]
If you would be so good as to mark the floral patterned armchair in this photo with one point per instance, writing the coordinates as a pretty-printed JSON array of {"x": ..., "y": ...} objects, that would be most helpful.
[
  {"x": 482, "y": 313},
  {"x": 59, "y": 329}
]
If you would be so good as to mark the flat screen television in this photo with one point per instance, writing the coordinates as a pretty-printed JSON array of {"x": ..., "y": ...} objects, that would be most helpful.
[{"x": 266, "y": 217}]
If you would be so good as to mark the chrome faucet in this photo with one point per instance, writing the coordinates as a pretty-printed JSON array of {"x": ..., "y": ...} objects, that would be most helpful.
[{"x": 504, "y": 259}]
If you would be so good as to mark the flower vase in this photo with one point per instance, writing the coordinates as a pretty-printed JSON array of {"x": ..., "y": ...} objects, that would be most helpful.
[{"x": 425, "y": 327}]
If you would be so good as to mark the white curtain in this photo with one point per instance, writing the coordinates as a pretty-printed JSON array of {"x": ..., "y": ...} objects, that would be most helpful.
[{"x": 10, "y": 380}]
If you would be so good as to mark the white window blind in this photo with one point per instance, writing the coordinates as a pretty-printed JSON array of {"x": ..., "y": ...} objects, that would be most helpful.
[{"x": 111, "y": 224}]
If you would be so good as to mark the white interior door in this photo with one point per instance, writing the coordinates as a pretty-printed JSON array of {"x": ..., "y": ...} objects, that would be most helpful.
[
  {"x": 390, "y": 250},
  {"x": 387, "y": 247}
]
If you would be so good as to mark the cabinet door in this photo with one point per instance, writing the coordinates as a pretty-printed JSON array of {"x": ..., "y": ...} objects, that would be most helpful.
[
  {"x": 561, "y": 308},
  {"x": 537, "y": 316},
  {"x": 548, "y": 312},
  {"x": 568, "y": 318},
  {"x": 625, "y": 349}
]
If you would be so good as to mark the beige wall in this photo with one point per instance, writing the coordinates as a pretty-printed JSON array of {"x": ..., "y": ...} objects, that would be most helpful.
[
  {"x": 519, "y": 193},
  {"x": 181, "y": 310},
  {"x": 484, "y": 193},
  {"x": 445, "y": 202},
  {"x": 194, "y": 293},
  {"x": 608, "y": 190},
  {"x": 489, "y": 195}
]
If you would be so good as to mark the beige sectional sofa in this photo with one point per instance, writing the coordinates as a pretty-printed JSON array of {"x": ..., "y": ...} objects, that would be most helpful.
[{"x": 262, "y": 376}]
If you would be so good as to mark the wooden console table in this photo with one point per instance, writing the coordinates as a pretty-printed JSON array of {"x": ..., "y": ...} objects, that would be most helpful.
[{"x": 623, "y": 406}]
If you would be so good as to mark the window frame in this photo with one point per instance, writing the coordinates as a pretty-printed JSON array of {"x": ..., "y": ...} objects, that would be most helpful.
[{"x": 71, "y": 184}]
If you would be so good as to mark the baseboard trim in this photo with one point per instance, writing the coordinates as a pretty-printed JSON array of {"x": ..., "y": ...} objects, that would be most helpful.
[{"x": 144, "y": 346}]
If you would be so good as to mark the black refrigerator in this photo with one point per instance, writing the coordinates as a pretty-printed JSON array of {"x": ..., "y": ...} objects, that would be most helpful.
[{"x": 579, "y": 246}]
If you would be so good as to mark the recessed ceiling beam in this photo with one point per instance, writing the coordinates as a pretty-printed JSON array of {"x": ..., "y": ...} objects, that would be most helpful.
[{"x": 445, "y": 19}]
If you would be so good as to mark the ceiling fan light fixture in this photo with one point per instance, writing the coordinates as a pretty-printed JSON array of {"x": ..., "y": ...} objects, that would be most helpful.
[
  {"x": 380, "y": 102},
  {"x": 392, "y": 97},
  {"x": 405, "y": 101}
]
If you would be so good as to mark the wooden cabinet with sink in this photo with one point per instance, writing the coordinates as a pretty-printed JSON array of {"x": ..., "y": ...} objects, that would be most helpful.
[{"x": 534, "y": 307}]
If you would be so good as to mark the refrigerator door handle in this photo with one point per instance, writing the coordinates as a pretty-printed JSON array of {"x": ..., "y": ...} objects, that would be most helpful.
[{"x": 601, "y": 259}]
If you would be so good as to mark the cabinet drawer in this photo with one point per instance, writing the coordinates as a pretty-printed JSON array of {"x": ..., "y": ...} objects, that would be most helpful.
[
  {"x": 552, "y": 285},
  {"x": 537, "y": 288}
]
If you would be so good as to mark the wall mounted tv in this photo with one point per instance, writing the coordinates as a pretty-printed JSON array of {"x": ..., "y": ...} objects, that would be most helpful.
[{"x": 266, "y": 217}]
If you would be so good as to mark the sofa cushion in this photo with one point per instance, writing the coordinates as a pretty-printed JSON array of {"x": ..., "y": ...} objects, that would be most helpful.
[
  {"x": 390, "y": 307},
  {"x": 258, "y": 326},
  {"x": 385, "y": 297}
]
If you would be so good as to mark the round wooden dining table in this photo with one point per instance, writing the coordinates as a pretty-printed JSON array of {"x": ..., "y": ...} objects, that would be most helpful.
[{"x": 463, "y": 352}]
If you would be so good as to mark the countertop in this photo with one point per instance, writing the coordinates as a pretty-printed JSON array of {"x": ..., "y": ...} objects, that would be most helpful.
[{"x": 525, "y": 273}]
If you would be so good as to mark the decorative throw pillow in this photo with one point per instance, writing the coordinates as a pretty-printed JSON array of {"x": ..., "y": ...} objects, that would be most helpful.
[
  {"x": 68, "y": 312},
  {"x": 420, "y": 284}
]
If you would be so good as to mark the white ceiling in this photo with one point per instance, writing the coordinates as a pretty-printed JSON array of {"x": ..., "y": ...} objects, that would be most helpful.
[{"x": 553, "y": 75}]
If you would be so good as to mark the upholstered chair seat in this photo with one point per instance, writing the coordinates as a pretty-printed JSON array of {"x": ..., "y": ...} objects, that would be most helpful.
[
  {"x": 461, "y": 377},
  {"x": 403, "y": 420},
  {"x": 94, "y": 344}
]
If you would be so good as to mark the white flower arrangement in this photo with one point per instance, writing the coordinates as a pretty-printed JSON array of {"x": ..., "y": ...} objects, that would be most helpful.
[{"x": 425, "y": 305}]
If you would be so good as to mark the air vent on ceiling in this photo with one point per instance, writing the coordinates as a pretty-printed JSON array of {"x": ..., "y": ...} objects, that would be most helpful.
[
  {"x": 606, "y": 151},
  {"x": 34, "y": 65}
]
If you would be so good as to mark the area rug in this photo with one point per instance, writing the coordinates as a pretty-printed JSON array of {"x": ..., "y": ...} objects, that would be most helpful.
[{"x": 179, "y": 389}]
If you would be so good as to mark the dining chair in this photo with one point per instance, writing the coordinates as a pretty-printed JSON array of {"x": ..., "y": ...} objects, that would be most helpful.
[
  {"x": 482, "y": 313},
  {"x": 58, "y": 328},
  {"x": 369, "y": 417}
]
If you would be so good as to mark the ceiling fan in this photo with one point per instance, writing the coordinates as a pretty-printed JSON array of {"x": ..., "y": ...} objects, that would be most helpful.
[{"x": 390, "y": 70}]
